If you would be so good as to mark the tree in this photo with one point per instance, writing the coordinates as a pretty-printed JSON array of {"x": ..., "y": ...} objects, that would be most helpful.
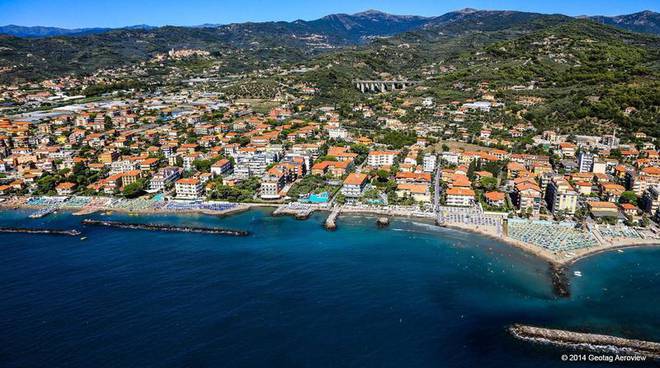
[
  {"x": 488, "y": 183},
  {"x": 628, "y": 197},
  {"x": 135, "y": 189}
]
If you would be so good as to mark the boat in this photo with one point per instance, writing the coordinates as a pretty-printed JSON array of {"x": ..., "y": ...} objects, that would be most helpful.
[
  {"x": 577, "y": 273},
  {"x": 620, "y": 250},
  {"x": 83, "y": 238}
]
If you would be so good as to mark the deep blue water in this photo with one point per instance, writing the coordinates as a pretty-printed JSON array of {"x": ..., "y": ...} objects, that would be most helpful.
[{"x": 294, "y": 295}]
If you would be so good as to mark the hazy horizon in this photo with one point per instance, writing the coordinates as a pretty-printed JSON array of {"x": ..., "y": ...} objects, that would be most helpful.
[{"x": 124, "y": 13}]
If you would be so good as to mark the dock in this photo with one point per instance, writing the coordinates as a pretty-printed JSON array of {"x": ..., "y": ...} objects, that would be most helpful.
[
  {"x": 331, "y": 221},
  {"x": 300, "y": 211}
]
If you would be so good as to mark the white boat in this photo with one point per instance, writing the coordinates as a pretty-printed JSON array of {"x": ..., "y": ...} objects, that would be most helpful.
[
  {"x": 577, "y": 273},
  {"x": 620, "y": 250}
]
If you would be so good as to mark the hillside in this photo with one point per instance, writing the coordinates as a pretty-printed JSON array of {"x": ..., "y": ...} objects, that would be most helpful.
[
  {"x": 588, "y": 73},
  {"x": 42, "y": 57},
  {"x": 646, "y": 21}
]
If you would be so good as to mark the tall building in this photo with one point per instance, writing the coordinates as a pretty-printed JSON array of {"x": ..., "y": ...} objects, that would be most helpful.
[
  {"x": 585, "y": 161},
  {"x": 430, "y": 162},
  {"x": 560, "y": 196}
]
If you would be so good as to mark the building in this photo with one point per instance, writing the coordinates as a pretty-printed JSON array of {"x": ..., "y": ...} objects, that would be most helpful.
[
  {"x": 495, "y": 199},
  {"x": 130, "y": 177},
  {"x": 430, "y": 161},
  {"x": 189, "y": 188},
  {"x": 460, "y": 196},
  {"x": 418, "y": 192},
  {"x": 272, "y": 183},
  {"x": 221, "y": 167},
  {"x": 381, "y": 158},
  {"x": 527, "y": 195},
  {"x": 560, "y": 196},
  {"x": 163, "y": 178},
  {"x": 601, "y": 210},
  {"x": 651, "y": 200},
  {"x": 65, "y": 188},
  {"x": 354, "y": 185},
  {"x": 585, "y": 161}
]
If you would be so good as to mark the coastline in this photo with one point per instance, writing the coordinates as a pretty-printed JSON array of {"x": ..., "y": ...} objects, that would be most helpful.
[{"x": 559, "y": 259}]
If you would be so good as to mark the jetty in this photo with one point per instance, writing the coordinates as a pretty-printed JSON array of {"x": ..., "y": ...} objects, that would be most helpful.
[
  {"x": 39, "y": 231},
  {"x": 331, "y": 221},
  {"x": 162, "y": 227},
  {"x": 586, "y": 341}
]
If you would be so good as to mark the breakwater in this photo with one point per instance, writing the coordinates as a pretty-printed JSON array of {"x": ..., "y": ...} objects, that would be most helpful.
[
  {"x": 39, "y": 231},
  {"x": 161, "y": 227},
  {"x": 586, "y": 341}
]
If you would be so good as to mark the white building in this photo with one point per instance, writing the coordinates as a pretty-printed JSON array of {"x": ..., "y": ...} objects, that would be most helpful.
[
  {"x": 189, "y": 189},
  {"x": 163, "y": 178},
  {"x": 429, "y": 162},
  {"x": 381, "y": 158},
  {"x": 354, "y": 185}
]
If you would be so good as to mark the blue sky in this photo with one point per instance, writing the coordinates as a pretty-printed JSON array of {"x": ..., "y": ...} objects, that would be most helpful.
[{"x": 117, "y": 13}]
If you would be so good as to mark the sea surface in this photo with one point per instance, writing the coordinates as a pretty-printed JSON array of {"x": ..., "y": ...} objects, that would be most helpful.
[{"x": 295, "y": 295}]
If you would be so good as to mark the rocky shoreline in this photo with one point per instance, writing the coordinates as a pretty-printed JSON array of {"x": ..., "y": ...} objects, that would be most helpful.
[
  {"x": 586, "y": 341},
  {"x": 170, "y": 228}
]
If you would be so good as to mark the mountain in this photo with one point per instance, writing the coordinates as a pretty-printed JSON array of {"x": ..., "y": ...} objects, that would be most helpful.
[
  {"x": 646, "y": 21},
  {"x": 266, "y": 43},
  {"x": 39, "y": 31}
]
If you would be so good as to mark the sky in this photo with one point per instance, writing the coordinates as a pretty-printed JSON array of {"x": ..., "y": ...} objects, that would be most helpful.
[{"x": 118, "y": 13}]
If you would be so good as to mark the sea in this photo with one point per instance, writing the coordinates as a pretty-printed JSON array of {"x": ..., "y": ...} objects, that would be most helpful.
[{"x": 292, "y": 294}]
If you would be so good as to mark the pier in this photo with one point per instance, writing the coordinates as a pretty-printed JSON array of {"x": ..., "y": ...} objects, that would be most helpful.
[
  {"x": 39, "y": 231},
  {"x": 586, "y": 341},
  {"x": 171, "y": 228},
  {"x": 300, "y": 211},
  {"x": 560, "y": 284},
  {"x": 331, "y": 221},
  {"x": 43, "y": 212}
]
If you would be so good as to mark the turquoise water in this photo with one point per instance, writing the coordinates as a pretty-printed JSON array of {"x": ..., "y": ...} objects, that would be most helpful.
[{"x": 294, "y": 295}]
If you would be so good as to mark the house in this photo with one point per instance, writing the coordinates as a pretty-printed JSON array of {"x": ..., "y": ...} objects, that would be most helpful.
[
  {"x": 600, "y": 210},
  {"x": 65, "y": 189},
  {"x": 629, "y": 209},
  {"x": 460, "y": 196},
  {"x": 130, "y": 177},
  {"x": 221, "y": 167},
  {"x": 495, "y": 199},
  {"x": 354, "y": 185},
  {"x": 188, "y": 188},
  {"x": 418, "y": 192}
]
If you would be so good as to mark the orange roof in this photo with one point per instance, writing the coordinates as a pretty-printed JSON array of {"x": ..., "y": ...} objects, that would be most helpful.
[
  {"x": 66, "y": 185},
  {"x": 628, "y": 206},
  {"x": 602, "y": 205},
  {"x": 460, "y": 192},
  {"x": 189, "y": 181},
  {"x": 414, "y": 188},
  {"x": 494, "y": 196},
  {"x": 652, "y": 170},
  {"x": 355, "y": 179}
]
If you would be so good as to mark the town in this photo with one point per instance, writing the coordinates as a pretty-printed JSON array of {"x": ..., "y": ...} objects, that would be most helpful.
[{"x": 190, "y": 145}]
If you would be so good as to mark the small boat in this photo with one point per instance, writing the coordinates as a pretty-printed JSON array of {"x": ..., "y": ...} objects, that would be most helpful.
[
  {"x": 83, "y": 238},
  {"x": 577, "y": 273},
  {"x": 620, "y": 250}
]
